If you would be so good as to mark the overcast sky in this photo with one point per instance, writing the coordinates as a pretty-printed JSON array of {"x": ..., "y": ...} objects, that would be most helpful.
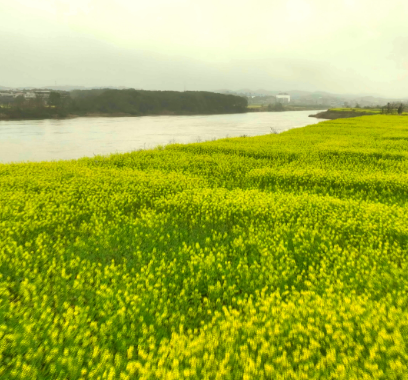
[{"x": 340, "y": 46}]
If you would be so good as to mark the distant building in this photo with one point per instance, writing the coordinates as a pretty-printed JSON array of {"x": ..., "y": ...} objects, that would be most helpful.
[
  {"x": 43, "y": 94},
  {"x": 283, "y": 98}
]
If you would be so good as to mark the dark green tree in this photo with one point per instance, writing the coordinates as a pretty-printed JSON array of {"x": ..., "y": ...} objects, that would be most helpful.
[
  {"x": 400, "y": 109},
  {"x": 279, "y": 107},
  {"x": 54, "y": 99},
  {"x": 19, "y": 100}
]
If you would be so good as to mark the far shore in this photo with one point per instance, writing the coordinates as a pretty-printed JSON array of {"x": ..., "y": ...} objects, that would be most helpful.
[
  {"x": 118, "y": 114},
  {"x": 4, "y": 117},
  {"x": 332, "y": 115}
]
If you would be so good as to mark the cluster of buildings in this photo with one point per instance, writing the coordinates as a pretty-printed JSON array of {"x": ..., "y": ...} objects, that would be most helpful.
[
  {"x": 307, "y": 98},
  {"x": 9, "y": 95},
  {"x": 282, "y": 97},
  {"x": 303, "y": 100},
  {"x": 314, "y": 100},
  {"x": 295, "y": 98}
]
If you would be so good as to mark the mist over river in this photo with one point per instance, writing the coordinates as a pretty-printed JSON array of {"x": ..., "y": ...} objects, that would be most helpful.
[{"x": 52, "y": 140}]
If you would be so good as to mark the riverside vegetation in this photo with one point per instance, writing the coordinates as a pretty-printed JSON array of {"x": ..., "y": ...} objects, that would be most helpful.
[
  {"x": 106, "y": 102},
  {"x": 339, "y": 113},
  {"x": 272, "y": 257}
]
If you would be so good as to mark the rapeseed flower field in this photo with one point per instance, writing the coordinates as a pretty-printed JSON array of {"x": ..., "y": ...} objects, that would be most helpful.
[{"x": 271, "y": 257}]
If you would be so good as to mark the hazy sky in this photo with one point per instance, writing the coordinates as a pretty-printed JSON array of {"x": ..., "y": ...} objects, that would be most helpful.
[{"x": 341, "y": 46}]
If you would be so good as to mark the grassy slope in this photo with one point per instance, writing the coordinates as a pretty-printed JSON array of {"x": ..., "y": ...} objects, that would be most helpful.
[
  {"x": 367, "y": 110},
  {"x": 240, "y": 258}
]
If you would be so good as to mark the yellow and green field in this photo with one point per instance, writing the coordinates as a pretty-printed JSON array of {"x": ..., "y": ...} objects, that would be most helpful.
[
  {"x": 366, "y": 110},
  {"x": 272, "y": 257}
]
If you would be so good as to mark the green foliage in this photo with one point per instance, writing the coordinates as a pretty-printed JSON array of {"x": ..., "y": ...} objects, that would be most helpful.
[
  {"x": 271, "y": 257},
  {"x": 276, "y": 107},
  {"x": 366, "y": 110},
  {"x": 127, "y": 102},
  {"x": 54, "y": 99},
  {"x": 36, "y": 108},
  {"x": 135, "y": 102}
]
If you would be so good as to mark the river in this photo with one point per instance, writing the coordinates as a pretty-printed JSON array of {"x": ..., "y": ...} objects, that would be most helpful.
[{"x": 49, "y": 140}]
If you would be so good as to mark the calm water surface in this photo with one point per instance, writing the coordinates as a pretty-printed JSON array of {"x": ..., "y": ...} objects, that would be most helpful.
[{"x": 49, "y": 140}]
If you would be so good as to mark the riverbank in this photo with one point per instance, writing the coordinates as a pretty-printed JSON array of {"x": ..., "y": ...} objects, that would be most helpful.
[
  {"x": 329, "y": 114},
  {"x": 4, "y": 117},
  {"x": 281, "y": 108},
  {"x": 332, "y": 115}
]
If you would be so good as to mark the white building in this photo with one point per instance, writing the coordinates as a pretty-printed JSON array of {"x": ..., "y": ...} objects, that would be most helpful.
[
  {"x": 29, "y": 95},
  {"x": 44, "y": 94},
  {"x": 283, "y": 98}
]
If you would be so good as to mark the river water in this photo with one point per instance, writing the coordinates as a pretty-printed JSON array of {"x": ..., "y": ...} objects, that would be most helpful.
[{"x": 52, "y": 140}]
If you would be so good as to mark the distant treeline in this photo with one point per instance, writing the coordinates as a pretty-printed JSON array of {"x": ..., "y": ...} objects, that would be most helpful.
[{"x": 124, "y": 102}]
